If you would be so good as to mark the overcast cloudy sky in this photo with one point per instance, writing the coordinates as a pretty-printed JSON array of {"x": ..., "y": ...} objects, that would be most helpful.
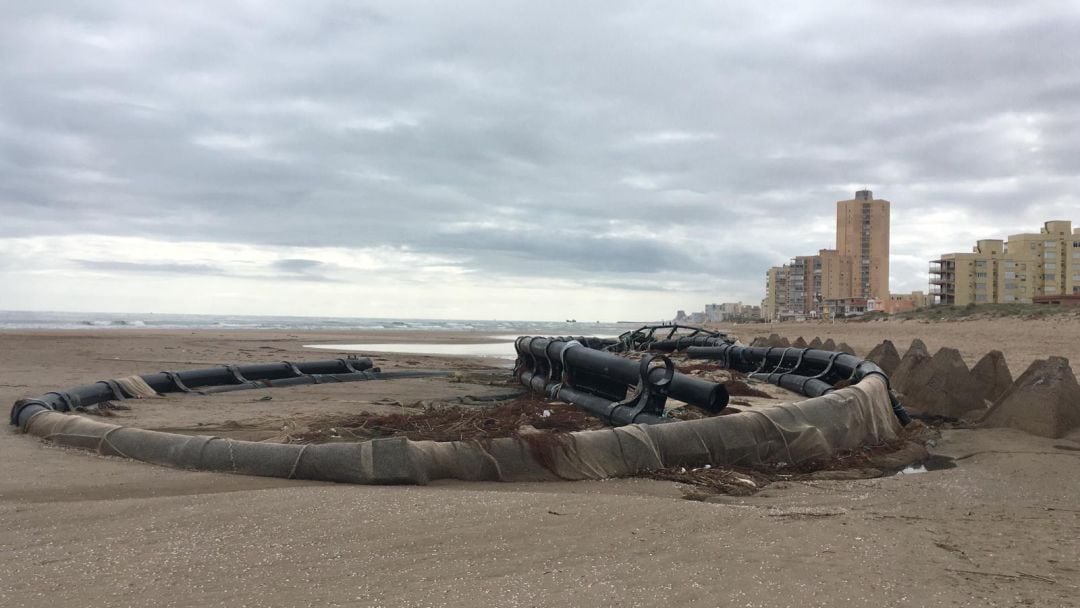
[{"x": 532, "y": 160}]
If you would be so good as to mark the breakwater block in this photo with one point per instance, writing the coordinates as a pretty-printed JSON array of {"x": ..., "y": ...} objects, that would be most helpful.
[
  {"x": 943, "y": 386},
  {"x": 886, "y": 357},
  {"x": 777, "y": 342},
  {"x": 799, "y": 342},
  {"x": 917, "y": 343},
  {"x": 993, "y": 375},
  {"x": 1044, "y": 400},
  {"x": 815, "y": 343},
  {"x": 905, "y": 374},
  {"x": 845, "y": 348}
]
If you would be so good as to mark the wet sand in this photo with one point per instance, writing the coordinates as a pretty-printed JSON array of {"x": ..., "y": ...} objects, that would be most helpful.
[{"x": 1000, "y": 529}]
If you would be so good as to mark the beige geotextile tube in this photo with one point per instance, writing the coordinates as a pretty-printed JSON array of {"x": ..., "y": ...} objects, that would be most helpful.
[{"x": 785, "y": 433}]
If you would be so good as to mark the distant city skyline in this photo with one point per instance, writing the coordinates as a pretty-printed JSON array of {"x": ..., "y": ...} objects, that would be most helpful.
[{"x": 596, "y": 161}]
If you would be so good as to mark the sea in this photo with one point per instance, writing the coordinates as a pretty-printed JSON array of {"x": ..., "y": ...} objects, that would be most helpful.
[{"x": 90, "y": 320}]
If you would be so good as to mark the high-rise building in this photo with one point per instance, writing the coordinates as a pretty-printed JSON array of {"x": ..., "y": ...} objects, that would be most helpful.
[
  {"x": 841, "y": 280},
  {"x": 862, "y": 232},
  {"x": 1026, "y": 267}
]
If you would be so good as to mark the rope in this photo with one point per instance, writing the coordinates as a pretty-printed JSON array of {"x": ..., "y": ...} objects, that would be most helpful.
[
  {"x": 296, "y": 463},
  {"x": 787, "y": 447},
  {"x": 105, "y": 440}
]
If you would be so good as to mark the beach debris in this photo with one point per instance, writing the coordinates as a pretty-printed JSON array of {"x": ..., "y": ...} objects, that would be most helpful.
[
  {"x": 529, "y": 414},
  {"x": 1044, "y": 400},
  {"x": 993, "y": 375},
  {"x": 908, "y": 454},
  {"x": 886, "y": 357}
]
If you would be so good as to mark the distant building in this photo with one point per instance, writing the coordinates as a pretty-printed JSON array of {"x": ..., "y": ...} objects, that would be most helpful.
[
  {"x": 841, "y": 280},
  {"x": 904, "y": 302},
  {"x": 718, "y": 313},
  {"x": 1025, "y": 267}
]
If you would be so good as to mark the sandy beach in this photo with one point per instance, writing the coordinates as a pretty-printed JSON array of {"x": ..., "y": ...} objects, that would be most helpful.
[{"x": 1000, "y": 529}]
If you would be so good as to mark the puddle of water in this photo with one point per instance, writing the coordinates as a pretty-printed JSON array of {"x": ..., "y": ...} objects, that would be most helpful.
[
  {"x": 934, "y": 463},
  {"x": 498, "y": 350}
]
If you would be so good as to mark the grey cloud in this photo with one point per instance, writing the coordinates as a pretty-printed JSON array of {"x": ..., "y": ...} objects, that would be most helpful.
[
  {"x": 151, "y": 268},
  {"x": 284, "y": 270},
  {"x": 392, "y": 126}
]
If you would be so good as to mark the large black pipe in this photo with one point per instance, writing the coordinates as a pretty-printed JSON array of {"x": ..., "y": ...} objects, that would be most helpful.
[
  {"x": 611, "y": 412},
  {"x": 790, "y": 366},
  {"x": 709, "y": 395},
  {"x": 834, "y": 366},
  {"x": 682, "y": 343},
  {"x": 323, "y": 379},
  {"x": 167, "y": 382}
]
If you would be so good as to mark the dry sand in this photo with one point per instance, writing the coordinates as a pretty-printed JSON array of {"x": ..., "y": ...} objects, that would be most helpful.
[{"x": 1001, "y": 529}]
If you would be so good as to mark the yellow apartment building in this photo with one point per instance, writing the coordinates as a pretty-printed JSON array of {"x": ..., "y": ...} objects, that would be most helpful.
[
  {"x": 862, "y": 233},
  {"x": 1018, "y": 270}
]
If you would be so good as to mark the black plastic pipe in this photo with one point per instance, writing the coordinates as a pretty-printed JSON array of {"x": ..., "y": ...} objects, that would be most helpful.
[
  {"x": 169, "y": 382},
  {"x": 709, "y": 395},
  {"x": 611, "y": 412},
  {"x": 323, "y": 379},
  {"x": 788, "y": 366}
]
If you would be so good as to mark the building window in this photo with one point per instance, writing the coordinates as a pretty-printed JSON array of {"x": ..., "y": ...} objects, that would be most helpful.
[
  {"x": 1010, "y": 298},
  {"x": 1050, "y": 266},
  {"x": 1049, "y": 277},
  {"x": 980, "y": 286},
  {"x": 1051, "y": 289},
  {"x": 981, "y": 297},
  {"x": 1010, "y": 275},
  {"x": 1050, "y": 255},
  {"x": 1050, "y": 243},
  {"x": 980, "y": 275}
]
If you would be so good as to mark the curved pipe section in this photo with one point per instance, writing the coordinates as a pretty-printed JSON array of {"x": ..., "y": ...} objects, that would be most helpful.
[
  {"x": 185, "y": 381},
  {"x": 808, "y": 371}
]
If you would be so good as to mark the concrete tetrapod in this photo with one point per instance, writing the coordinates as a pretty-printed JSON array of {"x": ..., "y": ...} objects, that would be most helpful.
[
  {"x": 1044, "y": 400},
  {"x": 908, "y": 372},
  {"x": 993, "y": 375},
  {"x": 943, "y": 386},
  {"x": 887, "y": 358}
]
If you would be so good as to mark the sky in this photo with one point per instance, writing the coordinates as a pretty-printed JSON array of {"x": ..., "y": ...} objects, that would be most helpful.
[{"x": 510, "y": 160}]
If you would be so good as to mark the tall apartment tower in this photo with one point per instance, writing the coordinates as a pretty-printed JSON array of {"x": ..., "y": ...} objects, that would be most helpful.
[{"x": 862, "y": 233}]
